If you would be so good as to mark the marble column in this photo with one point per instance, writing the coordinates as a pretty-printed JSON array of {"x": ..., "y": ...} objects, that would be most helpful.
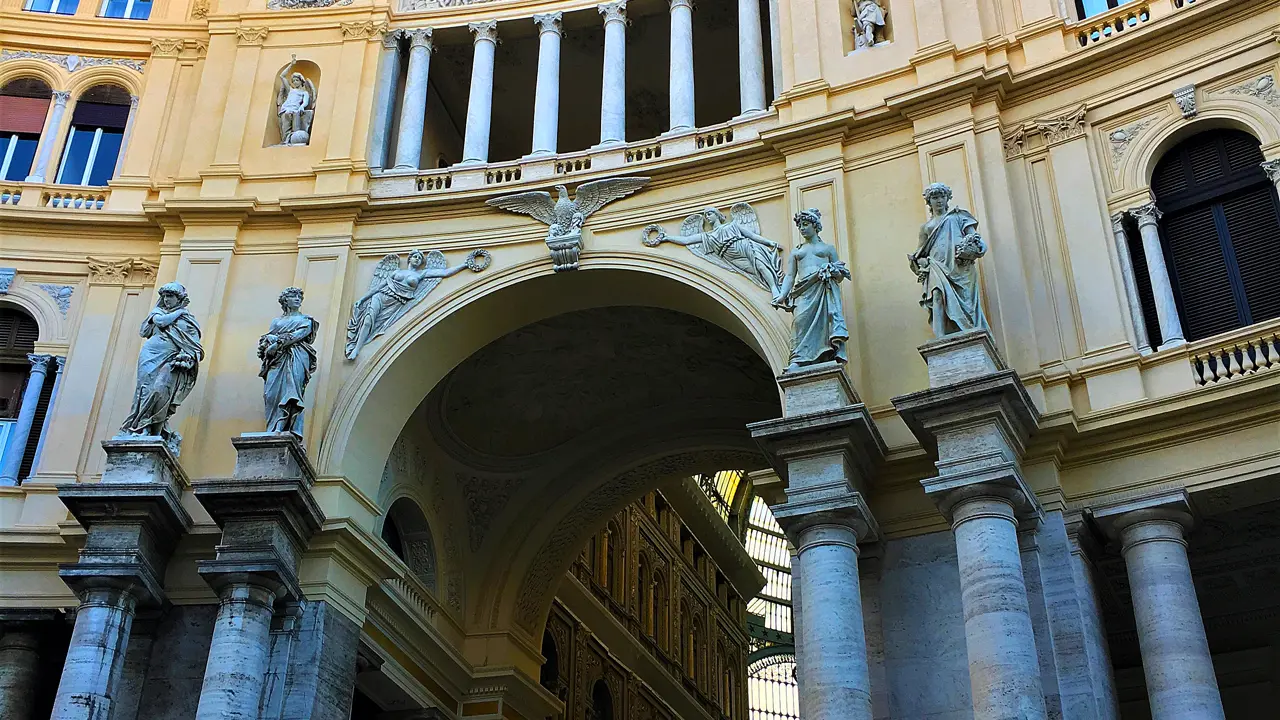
[
  {"x": 238, "y": 653},
  {"x": 613, "y": 95},
  {"x": 61, "y": 362},
  {"x": 19, "y": 663},
  {"x": 385, "y": 98},
  {"x": 1130, "y": 283},
  {"x": 413, "y": 108},
  {"x": 95, "y": 658},
  {"x": 53, "y": 131},
  {"x": 1148, "y": 217},
  {"x": 128, "y": 134},
  {"x": 1181, "y": 682},
  {"x": 475, "y": 145},
  {"x": 546, "y": 98},
  {"x": 17, "y": 447},
  {"x": 750, "y": 58},
  {"x": 797, "y": 613},
  {"x": 682, "y": 109}
]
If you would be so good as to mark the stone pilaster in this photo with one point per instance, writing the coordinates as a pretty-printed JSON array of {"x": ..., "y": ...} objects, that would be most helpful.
[
  {"x": 267, "y": 515},
  {"x": 133, "y": 519},
  {"x": 825, "y": 448},
  {"x": 977, "y": 416}
]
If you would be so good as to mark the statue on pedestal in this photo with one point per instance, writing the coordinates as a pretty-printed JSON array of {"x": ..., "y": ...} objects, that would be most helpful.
[
  {"x": 295, "y": 106},
  {"x": 945, "y": 266},
  {"x": 167, "y": 366},
  {"x": 869, "y": 16},
  {"x": 288, "y": 360},
  {"x": 811, "y": 292}
]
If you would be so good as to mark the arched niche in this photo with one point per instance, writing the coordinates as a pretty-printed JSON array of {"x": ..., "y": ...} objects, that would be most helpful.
[
  {"x": 405, "y": 530},
  {"x": 310, "y": 74}
]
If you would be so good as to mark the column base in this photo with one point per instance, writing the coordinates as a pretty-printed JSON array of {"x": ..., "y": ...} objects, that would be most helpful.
[{"x": 1169, "y": 345}]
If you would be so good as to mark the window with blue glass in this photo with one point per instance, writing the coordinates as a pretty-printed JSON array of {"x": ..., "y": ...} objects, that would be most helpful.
[
  {"x": 24, "y": 103},
  {"x": 1089, "y": 8},
  {"x": 93, "y": 142},
  {"x": 127, "y": 9},
  {"x": 60, "y": 7}
]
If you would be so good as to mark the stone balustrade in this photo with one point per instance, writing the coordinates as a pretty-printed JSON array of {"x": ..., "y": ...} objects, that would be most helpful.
[
  {"x": 1108, "y": 25},
  {"x": 412, "y": 593},
  {"x": 1250, "y": 351},
  {"x": 75, "y": 199},
  {"x": 10, "y": 194}
]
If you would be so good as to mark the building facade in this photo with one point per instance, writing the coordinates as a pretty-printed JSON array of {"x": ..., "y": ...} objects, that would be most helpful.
[{"x": 540, "y": 250}]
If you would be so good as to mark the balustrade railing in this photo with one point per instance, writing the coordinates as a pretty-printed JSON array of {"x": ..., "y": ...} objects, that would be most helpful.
[
  {"x": 75, "y": 199},
  {"x": 572, "y": 165},
  {"x": 414, "y": 594},
  {"x": 1111, "y": 24},
  {"x": 10, "y": 194},
  {"x": 1235, "y": 358}
]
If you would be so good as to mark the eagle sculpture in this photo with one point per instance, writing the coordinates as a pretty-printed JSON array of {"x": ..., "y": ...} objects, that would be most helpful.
[{"x": 564, "y": 216}]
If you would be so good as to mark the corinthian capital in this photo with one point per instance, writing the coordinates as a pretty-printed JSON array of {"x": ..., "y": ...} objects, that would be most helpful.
[
  {"x": 1272, "y": 169},
  {"x": 60, "y": 97},
  {"x": 391, "y": 38},
  {"x": 614, "y": 11},
  {"x": 1147, "y": 214},
  {"x": 484, "y": 30},
  {"x": 549, "y": 22},
  {"x": 419, "y": 37}
]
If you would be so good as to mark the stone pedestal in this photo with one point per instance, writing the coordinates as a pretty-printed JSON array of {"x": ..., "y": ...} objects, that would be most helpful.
[
  {"x": 1175, "y": 653},
  {"x": 267, "y": 514},
  {"x": 134, "y": 519},
  {"x": 825, "y": 448},
  {"x": 976, "y": 416}
]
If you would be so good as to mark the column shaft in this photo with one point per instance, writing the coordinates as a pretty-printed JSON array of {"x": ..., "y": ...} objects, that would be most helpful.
[
  {"x": 546, "y": 99},
  {"x": 48, "y": 416},
  {"x": 17, "y": 447},
  {"x": 19, "y": 659},
  {"x": 128, "y": 133},
  {"x": 682, "y": 109},
  {"x": 613, "y": 95},
  {"x": 238, "y": 654},
  {"x": 1175, "y": 653},
  {"x": 413, "y": 109},
  {"x": 384, "y": 99},
  {"x": 750, "y": 58},
  {"x": 475, "y": 145},
  {"x": 1130, "y": 282},
  {"x": 95, "y": 658},
  {"x": 1148, "y": 217},
  {"x": 837, "y": 684},
  {"x": 1004, "y": 670},
  {"x": 52, "y": 132}
]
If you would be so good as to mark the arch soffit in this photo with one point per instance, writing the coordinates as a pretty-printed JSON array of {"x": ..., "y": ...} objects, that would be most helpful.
[
  {"x": 1216, "y": 112},
  {"x": 82, "y": 80},
  {"x": 56, "y": 78},
  {"x": 53, "y": 326},
  {"x": 388, "y": 384}
]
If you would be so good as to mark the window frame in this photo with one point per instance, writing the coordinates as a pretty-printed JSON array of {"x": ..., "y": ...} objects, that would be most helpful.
[
  {"x": 129, "y": 7},
  {"x": 54, "y": 7}
]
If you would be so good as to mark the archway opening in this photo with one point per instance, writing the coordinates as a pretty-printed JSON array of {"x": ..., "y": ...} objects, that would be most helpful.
[{"x": 601, "y": 701}]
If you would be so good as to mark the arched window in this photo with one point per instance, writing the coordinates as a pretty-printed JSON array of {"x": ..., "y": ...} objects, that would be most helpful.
[
  {"x": 601, "y": 701},
  {"x": 549, "y": 678},
  {"x": 660, "y": 610},
  {"x": 97, "y": 130},
  {"x": 18, "y": 335},
  {"x": 408, "y": 535},
  {"x": 1220, "y": 231},
  {"x": 24, "y": 103}
]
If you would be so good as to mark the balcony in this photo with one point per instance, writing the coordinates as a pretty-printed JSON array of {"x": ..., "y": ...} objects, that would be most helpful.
[
  {"x": 1236, "y": 355},
  {"x": 71, "y": 199},
  {"x": 1124, "y": 20}
]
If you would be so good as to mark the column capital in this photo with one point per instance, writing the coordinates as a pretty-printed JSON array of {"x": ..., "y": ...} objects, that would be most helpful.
[
  {"x": 613, "y": 11},
  {"x": 484, "y": 30},
  {"x": 1117, "y": 221},
  {"x": 1272, "y": 169},
  {"x": 60, "y": 97},
  {"x": 39, "y": 361},
  {"x": 1173, "y": 506},
  {"x": 419, "y": 37},
  {"x": 1147, "y": 214},
  {"x": 839, "y": 508},
  {"x": 391, "y": 38},
  {"x": 61, "y": 360},
  {"x": 549, "y": 22},
  {"x": 681, "y": 3}
]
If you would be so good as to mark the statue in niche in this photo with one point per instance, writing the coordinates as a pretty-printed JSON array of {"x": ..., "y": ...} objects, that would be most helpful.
[
  {"x": 945, "y": 265},
  {"x": 811, "y": 292},
  {"x": 869, "y": 16},
  {"x": 735, "y": 245},
  {"x": 288, "y": 360},
  {"x": 295, "y": 106},
  {"x": 167, "y": 366},
  {"x": 394, "y": 290}
]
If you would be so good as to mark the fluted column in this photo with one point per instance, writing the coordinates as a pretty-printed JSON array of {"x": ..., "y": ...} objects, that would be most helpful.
[
  {"x": 750, "y": 58},
  {"x": 413, "y": 109},
  {"x": 1148, "y": 217},
  {"x": 546, "y": 99},
  {"x": 95, "y": 658},
  {"x": 384, "y": 98},
  {"x": 1130, "y": 283},
  {"x": 475, "y": 146},
  {"x": 682, "y": 110},
  {"x": 613, "y": 95},
  {"x": 52, "y": 132},
  {"x": 12, "y": 463},
  {"x": 236, "y": 670}
]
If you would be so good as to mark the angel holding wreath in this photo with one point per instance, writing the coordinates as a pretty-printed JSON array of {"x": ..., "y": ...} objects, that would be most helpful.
[{"x": 735, "y": 245}]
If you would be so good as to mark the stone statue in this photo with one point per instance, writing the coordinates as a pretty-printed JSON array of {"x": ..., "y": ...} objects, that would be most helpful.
[
  {"x": 811, "y": 292},
  {"x": 944, "y": 265},
  {"x": 735, "y": 244},
  {"x": 288, "y": 360},
  {"x": 295, "y": 106},
  {"x": 167, "y": 366},
  {"x": 565, "y": 216},
  {"x": 394, "y": 290},
  {"x": 869, "y": 16}
]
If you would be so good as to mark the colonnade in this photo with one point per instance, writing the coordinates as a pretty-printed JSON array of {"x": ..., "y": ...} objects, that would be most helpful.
[{"x": 613, "y": 113}]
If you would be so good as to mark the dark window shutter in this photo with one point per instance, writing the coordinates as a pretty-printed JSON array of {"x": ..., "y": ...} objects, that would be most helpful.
[
  {"x": 1253, "y": 225},
  {"x": 37, "y": 426},
  {"x": 22, "y": 115},
  {"x": 1244, "y": 155},
  {"x": 103, "y": 115},
  {"x": 1170, "y": 175},
  {"x": 1200, "y": 272}
]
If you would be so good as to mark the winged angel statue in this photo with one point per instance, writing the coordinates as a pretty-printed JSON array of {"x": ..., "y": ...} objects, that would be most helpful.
[
  {"x": 734, "y": 244},
  {"x": 295, "y": 106},
  {"x": 394, "y": 290},
  {"x": 565, "y": 216}
]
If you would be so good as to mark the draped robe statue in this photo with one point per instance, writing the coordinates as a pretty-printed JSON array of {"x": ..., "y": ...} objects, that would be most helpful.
[
  {"x": 946, "y": 268},
  {"x": 811, "y": 292},
  {"x": 168, "y": 365},
  {"x": 288, "y": 360}
]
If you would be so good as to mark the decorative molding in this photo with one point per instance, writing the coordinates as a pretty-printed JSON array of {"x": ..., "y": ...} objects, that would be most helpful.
[
  {"x": 1122, "y": 137},
  {"x": 1262, "y": 88},
  {"x": 6, "y": 278},
  {"x": 147, "y": 269},
  {"x": 1272, "y": 169},
  {"x": 1013, "y": 141},
  {"x": 251, "y": 35},
  {"x": 72, "y": 63},
  {"x": 1064, "y": 127},
  {"x": 1185, "y": 97},
  {"x": 362, "y": 30},
  {"x": 166, "y": 47},
  {"x": 305, "y": 4},
  {"x": 61, "y": 295},
  {"x": 109, "y": 271},
  {"x": 200, "y": 9},
  {"x": 411, "y": 5}
]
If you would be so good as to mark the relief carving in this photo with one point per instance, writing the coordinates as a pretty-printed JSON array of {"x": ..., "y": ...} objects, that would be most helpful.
[{"x": 735, "y": 245}]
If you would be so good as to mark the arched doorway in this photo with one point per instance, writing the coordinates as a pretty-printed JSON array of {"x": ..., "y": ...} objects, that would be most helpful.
[{"x": 601, "y": 701}]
